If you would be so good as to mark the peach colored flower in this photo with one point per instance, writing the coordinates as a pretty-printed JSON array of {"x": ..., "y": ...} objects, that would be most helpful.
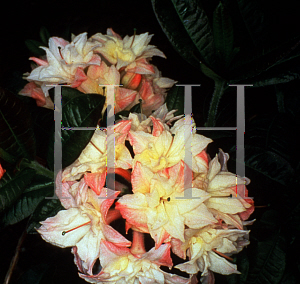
[
  {"x": 65, "y": 61},
  {"x": 83, "y": 226},
  {"x": 34, "y": 91},
  {"x": 120, "y": 266},
  {"x": 208, "y": 249},
  {"x": 158, "y": 205},
  {"x": 166, "y": 147},
  {"x": 122, "y": 52}
]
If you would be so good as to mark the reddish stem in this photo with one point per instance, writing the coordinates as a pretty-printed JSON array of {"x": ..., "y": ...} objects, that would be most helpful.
[{"x": 138, "y": 244}]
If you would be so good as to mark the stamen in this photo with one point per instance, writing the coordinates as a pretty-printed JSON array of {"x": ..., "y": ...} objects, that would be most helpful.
[
  {"x": 64, "y": 232},
  {"x": 96, "y": 147},
  {"x": 59, "y": 50},
  {"x": 222, "y": 254},
  {"x": 166, "y": 199},
  {"x": 134, "y": 32}
]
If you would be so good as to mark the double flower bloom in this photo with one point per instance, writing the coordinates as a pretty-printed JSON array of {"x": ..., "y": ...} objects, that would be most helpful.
[{"x": 206, "y": 227}]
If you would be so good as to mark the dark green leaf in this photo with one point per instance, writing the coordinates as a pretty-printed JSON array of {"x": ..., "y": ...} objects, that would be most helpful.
[
  {"x": 46, "y": 208},
  {"x": 175, "y": 100},
  {"x": 81, "y": 111},
  {"x": 44, "y": 35},
  {"x": 270, "y": 261},
  {"x": 254, "y": 20},
  {"x": 220, "y": 86},
  {"x": 195, "y": 22},
  {"x": 223, "y": 34},
  {"x": 34, "y": 193},
  {"x": 175, "y": 31},
  {"x": 67, "y": 93},
  {"x": 268, "y": 164},
  {"x": 34, "y": 47},
  {"x": 12, "y": 187},
  {"x": 17, "y": 137}
]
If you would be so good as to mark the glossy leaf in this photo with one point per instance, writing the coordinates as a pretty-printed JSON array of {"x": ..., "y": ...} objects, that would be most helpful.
[
  {"x": 223, "y": 34},
  {"x": 12, "y": 187},
  {"x": 175, "y": 100},
  {"x": 196, "y": 23},
  {"x": 39, "y": 188},
  {"x": 270, "y": 261},
  {"x": 253, "y": 17},
  {"x": 175, "y": 31},
  {"x": 17, "y": 137},
  {"x": 81, "y": 111}
]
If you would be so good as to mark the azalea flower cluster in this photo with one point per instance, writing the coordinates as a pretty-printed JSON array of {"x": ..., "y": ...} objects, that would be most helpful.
[
  {"x": 89, "y": 63},
  {"x": 201, "y": 220}
]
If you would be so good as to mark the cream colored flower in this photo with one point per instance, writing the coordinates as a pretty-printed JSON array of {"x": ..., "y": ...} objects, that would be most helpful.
[
  {"x": 159, "y": 205},
  {"x": 83, "y": 226},
  {"x": 208, "y": 249},
  {"x": 65, "y": 61},
  {"x": 93, "y": 158},
  {"x": 122, "y": 52},
  {"x": 120, "y": 266},
  {"x": 166, "y": 147}
]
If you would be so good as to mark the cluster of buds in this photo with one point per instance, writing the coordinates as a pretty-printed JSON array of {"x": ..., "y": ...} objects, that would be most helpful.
[
  {"x": 87, "y": 63},
  {"x": 192, "y": 207}
]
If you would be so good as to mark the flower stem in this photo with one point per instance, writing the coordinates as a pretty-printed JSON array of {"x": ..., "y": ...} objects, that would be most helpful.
[
  {"x": 138, "y": 244},
  {"x": 15, "y": 258}
]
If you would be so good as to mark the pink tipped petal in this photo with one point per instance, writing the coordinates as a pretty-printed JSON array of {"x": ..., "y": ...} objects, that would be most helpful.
[
  {"x": 141, "y": 177},
  {"x": 39, "y": 61},
  {"x": 95, "y": 60},
  {"x": 115, "y": 237},
  {"x": 124, "y": 97},
  {"x": 79, "y": 78},
  {"x": 59, "y": 41},
  {"x": 158, "y": 127},
  {"x": 111, "y": 32},
  {"x": 178, "y": 248},
  {"x": 34, "y": 91},
  {"x": 161, "y": 255},
  {"x": 95, "y": 181}
]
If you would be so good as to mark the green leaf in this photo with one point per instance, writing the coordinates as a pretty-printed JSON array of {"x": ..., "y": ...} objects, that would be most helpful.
[
  {"x": 44, "y": 35},
  {"x": 39, "y": 188},
  {"x": 81, "y": 111},
  {"x": 175, "y": 31},
  {"x": 254, "y": 20},
  {"x": 195, "y": 22},
  {"x": 270, "y": 261},
  {"x": 220, "y": 86},
  {"x": 175, "y": 100},
  {"x": 223, "y": 34},
  {"x": 34, "y": 47},
  {"x": 12, "y": 187},
  {"x": 46, "y": 208},
  {"x": 17, "y": 137}
]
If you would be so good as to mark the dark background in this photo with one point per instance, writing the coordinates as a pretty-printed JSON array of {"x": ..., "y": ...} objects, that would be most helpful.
[{"x": 22, "y": 20}]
